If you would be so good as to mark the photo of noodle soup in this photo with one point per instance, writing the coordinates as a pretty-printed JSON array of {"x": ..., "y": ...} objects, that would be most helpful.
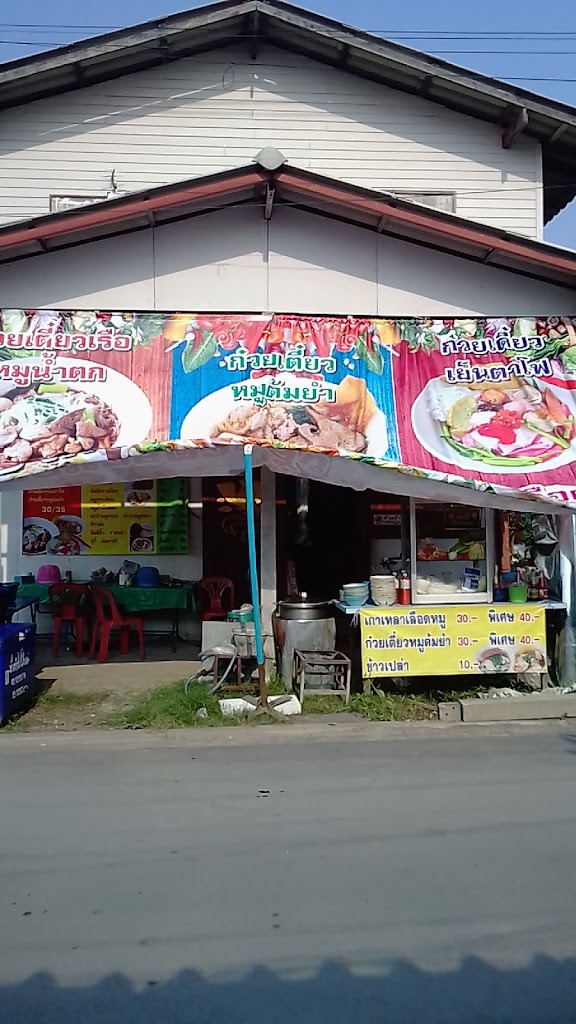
[
  {"x": 352, "y": 422},
  {"x": 61, "y": 420}
]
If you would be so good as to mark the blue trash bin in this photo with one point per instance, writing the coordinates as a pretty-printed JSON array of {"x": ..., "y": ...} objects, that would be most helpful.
[{"x": 17, "y": 690}]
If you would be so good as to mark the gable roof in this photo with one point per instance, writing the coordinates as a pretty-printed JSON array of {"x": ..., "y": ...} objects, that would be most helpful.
[
  {"x": 110, "y": 56},
  {"x": 303, "y": 190}
]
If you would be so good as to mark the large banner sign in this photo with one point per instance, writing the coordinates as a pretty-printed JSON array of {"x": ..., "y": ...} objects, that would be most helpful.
[{"x": 487, "y": 402}]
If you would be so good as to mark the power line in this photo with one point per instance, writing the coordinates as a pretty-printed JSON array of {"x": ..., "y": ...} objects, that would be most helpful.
[
  {"x": 295, "y": 67},
  {"x": 450, "y": 35},
  {"x": 436, "y": 33},
  {"x": 461, "y": 52}
]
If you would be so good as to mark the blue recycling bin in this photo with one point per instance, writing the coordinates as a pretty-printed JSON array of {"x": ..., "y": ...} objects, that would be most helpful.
[{"x": 17, "y": 647}]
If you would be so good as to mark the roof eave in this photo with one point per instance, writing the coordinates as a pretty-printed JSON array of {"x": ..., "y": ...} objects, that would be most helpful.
[{"x": 308, "y": 191}]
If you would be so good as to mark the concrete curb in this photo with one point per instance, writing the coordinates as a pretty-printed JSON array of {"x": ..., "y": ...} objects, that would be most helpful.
[
  {"x": 288, "y": 733},
  {"x": 537, "y": 706}
]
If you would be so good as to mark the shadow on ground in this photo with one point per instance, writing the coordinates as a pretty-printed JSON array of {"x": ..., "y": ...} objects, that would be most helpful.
[{"x": 541, "y": 992}]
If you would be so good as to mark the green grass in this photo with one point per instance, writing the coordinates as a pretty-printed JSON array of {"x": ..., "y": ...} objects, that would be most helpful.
[
  {"x": 324, "y": 705},
  {"x": 392, "y": 707},
  {"x": 169, "y": 707}
]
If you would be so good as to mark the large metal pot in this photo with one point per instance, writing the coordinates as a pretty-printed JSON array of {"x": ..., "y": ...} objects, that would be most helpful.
[
  {"x": 300, "y": 623},
  {"x": 299, "y": 609}
]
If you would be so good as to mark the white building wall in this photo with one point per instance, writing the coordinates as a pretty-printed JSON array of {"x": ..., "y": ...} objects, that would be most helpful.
[
  {"x": 215, "y": 111},
  {"x": 233, "y": 260}
]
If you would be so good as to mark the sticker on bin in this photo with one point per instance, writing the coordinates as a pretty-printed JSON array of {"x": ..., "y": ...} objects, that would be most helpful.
[
  {"x": 16, "y": 669},
  {"x": 16, "y": 675}
]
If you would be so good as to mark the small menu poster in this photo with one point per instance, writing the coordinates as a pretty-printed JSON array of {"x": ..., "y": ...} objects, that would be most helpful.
[{"x": 146, "y": 517}]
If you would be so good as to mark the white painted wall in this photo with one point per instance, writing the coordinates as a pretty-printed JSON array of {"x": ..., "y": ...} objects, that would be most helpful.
[
  {"x": 233, "y": 260},
  {"x": 218, "y": 109}
]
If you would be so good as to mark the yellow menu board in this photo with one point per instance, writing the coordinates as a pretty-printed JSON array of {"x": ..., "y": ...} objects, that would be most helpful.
[
  {"x": 444, "y": 641},
  {"x": 146, "y": 517}
]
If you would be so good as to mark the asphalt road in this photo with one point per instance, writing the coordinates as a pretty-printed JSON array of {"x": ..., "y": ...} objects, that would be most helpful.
[{"x": 427, "y": 879}]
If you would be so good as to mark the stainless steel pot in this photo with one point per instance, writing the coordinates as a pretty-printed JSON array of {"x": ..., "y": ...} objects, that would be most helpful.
[{"x": 301, "y": 610}]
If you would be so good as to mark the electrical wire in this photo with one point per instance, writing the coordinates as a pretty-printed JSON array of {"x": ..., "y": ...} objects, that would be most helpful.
[
  {"x": 295, "y": 67},
  {"x": 435, "y": 33}
]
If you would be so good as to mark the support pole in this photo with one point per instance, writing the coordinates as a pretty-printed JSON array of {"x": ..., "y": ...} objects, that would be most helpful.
[{"x": 262, "y": 706}]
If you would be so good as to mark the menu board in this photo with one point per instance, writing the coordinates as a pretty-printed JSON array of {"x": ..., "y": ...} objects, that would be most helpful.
[
  {"x": 146, "y": 517},
  {"x": 444, "y": 641}
]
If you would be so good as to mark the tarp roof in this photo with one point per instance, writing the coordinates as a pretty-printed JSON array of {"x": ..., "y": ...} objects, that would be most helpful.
[{"x": 258, "y": 22}]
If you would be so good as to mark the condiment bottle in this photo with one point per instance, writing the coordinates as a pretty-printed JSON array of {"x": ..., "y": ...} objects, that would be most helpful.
[
  {"x": 404, "y": 594},
  {"x": 542, "y": 588}
]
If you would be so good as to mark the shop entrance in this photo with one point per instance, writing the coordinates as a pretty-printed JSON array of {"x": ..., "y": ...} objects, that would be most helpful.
[
  {"x": 326, "y": 536},
  {"x": 225, "y": 534}
]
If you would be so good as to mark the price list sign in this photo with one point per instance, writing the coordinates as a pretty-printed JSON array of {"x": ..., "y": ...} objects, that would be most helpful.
[
  {"x": 422, "y": 641},
  {"x": 146, "y": 517}
]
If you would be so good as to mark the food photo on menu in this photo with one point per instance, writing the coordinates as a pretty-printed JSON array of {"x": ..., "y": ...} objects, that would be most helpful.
[
  {"x": 61, "y": 536},
  {"x": 141, "y": 492},
  {"x": 142, "y": 537}
]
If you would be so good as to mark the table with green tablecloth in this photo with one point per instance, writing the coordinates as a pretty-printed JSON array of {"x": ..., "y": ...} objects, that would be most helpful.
[{"x": 131, "y": 600}]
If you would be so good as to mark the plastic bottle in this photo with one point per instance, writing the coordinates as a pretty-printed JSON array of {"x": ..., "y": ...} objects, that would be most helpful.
[{"x": 404, "y": 590}]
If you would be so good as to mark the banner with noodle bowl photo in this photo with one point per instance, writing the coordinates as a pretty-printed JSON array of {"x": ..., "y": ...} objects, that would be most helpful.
[{"x": 488, "y": 403}]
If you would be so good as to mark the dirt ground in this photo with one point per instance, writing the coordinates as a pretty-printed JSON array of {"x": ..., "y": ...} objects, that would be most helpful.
[{"x": 77, "y": 693}]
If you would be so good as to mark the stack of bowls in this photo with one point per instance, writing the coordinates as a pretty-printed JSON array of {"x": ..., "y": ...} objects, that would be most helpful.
[
  {"x": 383, "y": 590},
  {"x": 355, "y": 594}
]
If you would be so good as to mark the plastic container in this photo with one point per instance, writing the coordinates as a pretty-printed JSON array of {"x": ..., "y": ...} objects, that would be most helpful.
[
  {"x": 404, "y": 589},
  {"x": 245, "y": 643},
  {"x": 518, "y": 594},
  {"x": 508, "y": 579},
  {"x": 17, "y": 690},
  {"x": 147, "y": 576},
  {"x": 48, "y": 574},
  {"x": 500, "y": 594},
  {"x": 241, "y": 615}
]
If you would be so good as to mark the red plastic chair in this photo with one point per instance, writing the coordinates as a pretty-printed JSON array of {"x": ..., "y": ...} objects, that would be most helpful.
[
  {"x": 69, "y": 602},
  {"x": 108, "y": 618},
  {"x": 212, "y": 590}
]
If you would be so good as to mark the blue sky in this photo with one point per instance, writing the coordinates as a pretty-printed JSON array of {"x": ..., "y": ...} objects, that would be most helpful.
[{"x": 541, "y": 61}]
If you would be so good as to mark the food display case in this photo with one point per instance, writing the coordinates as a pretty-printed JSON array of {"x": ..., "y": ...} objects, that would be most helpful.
[{"x": 451, "y": 553}]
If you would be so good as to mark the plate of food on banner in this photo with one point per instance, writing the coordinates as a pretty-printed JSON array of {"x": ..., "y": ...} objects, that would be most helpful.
[
  {"x": 346, "y": 419},
  {"x": 513, "y": 426}
]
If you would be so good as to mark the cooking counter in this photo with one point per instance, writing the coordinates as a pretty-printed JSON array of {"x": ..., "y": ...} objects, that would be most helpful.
[{"x": 556, "y": 605}]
